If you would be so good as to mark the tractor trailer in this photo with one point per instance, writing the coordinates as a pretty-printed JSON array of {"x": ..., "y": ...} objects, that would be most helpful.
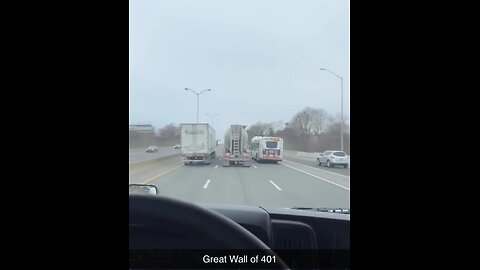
[
  {"x": 236, "y": 143},
  {"x": 198, "y": 143}
]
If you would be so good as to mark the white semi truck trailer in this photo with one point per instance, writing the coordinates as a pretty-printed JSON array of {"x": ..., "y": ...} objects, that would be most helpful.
[{"x": 198, "y": 143}]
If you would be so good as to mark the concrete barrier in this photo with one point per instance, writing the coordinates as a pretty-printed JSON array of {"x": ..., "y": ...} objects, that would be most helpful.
[
  {"x": 308, "y": 154},
  {"x": 312, "y": 155},
  {"x": 136, "y": 150}
]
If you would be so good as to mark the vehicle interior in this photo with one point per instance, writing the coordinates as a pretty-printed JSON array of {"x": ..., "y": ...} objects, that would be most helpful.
[{"x": 299, "y": 238}]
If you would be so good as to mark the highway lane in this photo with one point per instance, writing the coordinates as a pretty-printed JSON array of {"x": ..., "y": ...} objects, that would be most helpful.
[
  {"x": 144, "y": 171},
  {"x": 140, "y": 154},
  {"x": 312, "y": 162},
  {"x": 281, "y": 185}
]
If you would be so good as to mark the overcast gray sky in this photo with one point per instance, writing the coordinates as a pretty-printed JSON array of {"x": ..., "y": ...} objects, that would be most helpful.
[{"x": 261, "y": 58}]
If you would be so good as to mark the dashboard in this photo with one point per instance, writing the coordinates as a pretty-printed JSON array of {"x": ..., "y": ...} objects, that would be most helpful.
[{"x": 303, "y": 239}]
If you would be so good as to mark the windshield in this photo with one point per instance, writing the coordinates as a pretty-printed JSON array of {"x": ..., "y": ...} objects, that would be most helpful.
[
  {"x": 271, "y": 144},
  {"x": 238, "y": 99}
]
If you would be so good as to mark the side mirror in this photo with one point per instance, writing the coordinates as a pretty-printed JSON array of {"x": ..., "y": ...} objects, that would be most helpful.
[{"x": 142, "y": 189}]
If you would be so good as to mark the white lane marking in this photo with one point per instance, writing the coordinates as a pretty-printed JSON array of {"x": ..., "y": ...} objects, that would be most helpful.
[
  {"x": 216, "y": 166},
  {"x": 275, "y": 185},
  {"x": 254, "y": 166},
  {"x": 206, "y": 184},
  {"x": 322, "y": 170},
  {"x": 323, "y": 179}
]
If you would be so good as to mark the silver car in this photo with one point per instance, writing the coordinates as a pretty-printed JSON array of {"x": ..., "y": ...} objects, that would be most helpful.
[{"x": 333, "y": 158}]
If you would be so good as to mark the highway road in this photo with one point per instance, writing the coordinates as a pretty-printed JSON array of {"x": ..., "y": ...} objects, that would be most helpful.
[
  {"x": 312, "y": 162},
  {"x": 296, "y": 181},
  {"x": 140, "y": 154}
]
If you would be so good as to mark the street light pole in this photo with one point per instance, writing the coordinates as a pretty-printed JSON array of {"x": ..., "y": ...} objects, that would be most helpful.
[
  {"x": 341, "y": 112},
  {"x": 198, "y": 95},
  {"x": 213, "y": 118},
  {"x": 341, "y": 115}
]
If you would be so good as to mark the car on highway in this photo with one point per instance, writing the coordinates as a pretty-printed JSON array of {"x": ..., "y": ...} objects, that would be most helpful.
[
  {"x": 152, "y": 149},
  {"x": 333, "y": 158},
  {"x": 177, "y": 146}
]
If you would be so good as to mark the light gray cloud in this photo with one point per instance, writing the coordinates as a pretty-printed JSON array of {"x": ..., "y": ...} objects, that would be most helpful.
[{"x": 261, "y": 58}]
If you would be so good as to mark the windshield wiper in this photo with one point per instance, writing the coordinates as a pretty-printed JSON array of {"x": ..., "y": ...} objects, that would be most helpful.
[{"x": 324, "y": 209}]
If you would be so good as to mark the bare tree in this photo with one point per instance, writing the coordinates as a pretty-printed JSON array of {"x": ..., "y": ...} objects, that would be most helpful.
[
  {"x": 334, "y": 125},
  {"x": 259, "y": 129},
  {"x": 309, "y": 121},
  {"x": 311, "y": 130},
  {"x": 169, "y": 131},
  {"x": 277, "y": 127},
  {"x": 319, "y": 120}
]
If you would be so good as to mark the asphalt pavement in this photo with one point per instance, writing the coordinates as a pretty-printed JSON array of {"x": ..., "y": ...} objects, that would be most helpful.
[
  {"x": 295, "y": 181},
  {"x": 140, "y": 154}
]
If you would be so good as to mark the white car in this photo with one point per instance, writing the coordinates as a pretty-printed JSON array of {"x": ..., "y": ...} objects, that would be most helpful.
[
  {"x": 177, "y": 146},
  {"x": 333, "y": 158}
]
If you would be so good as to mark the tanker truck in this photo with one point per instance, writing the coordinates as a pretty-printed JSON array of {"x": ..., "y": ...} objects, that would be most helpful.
[{"x": 236, "y": 142}]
